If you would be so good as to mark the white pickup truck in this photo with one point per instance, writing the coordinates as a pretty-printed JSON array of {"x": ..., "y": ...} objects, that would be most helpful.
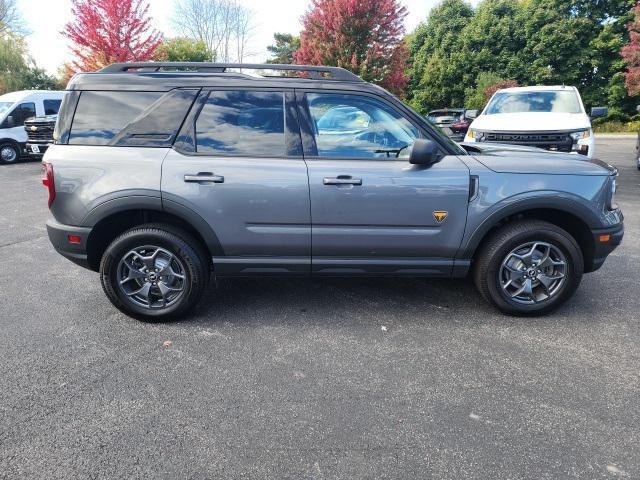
[{"x": 552, "y": 118}]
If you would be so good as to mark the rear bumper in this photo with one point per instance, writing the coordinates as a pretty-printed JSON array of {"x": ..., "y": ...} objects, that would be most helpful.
[
  {"x": 602, "y": 249},
  {"x": 59, "y": 238}
]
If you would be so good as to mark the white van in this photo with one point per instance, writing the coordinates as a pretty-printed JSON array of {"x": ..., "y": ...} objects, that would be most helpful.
[
  {"x": 15, "y": 108},
  {"x": 552, "y": 118}
]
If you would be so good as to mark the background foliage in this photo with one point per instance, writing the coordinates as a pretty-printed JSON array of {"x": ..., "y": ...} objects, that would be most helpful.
[{"x": 458, "y": 50}]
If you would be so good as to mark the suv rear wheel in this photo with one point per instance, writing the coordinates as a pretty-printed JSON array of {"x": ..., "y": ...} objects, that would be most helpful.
[
  {"x": 529, "y": 267},
  {"x": 154, "y": 272}
]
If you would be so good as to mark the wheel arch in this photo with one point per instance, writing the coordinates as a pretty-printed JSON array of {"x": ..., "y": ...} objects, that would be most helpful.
[
  {"x": 576, "y": 221},
  {"x": 117, "y": 221}
]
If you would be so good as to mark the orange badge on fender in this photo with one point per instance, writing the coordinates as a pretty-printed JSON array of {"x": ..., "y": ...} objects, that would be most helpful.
[{"x": 440, "y": 216}]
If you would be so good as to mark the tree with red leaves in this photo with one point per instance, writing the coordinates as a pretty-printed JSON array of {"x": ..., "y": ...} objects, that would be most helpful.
[
  {"x": 364, "y": 36},
  {"x": 110, "y": 31},
  {"x": 631, "y": 54}
]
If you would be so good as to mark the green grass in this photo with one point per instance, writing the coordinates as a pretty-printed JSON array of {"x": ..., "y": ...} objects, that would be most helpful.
[{"x": 617, "y": 127}]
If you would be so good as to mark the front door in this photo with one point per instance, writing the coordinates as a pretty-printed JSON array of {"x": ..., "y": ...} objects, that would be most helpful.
[
  {"x": 238, "y": 164},
  {"x": 371, "y": 210}
]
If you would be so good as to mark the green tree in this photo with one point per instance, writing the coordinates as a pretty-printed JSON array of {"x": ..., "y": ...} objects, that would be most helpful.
[
  {"x": 17, "y": 70},
  {"x": 12, "y": 62},
  {"x": 437, "y": 73},
  {"x": 35, "y": 78},
  {"x": 182, "y": 49},
  {"x": 476, "y": 97},
  {"x": 284, "y": 48},
  {"x": 575, "y": 42}
]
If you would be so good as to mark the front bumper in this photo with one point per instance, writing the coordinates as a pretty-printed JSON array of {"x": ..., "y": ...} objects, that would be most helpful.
[
  {"x": 36, "y": 149},
  {"x": 59, "y": 237},
  {"x": 605, "y": 241},
  {"x": 550, "y": 141}
]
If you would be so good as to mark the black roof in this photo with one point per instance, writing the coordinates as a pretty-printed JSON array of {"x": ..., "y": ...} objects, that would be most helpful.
[{"x": 165, "y": 76}]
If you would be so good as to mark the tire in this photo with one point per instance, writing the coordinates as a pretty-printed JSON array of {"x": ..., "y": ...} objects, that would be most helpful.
[
  {"x": 9, "y": 152},
  {"x": 139, "y": 257},
  {"x": 519, "y": 268}
]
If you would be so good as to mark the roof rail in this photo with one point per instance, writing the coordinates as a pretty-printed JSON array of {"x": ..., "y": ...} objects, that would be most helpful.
[{"x": 315, "y": 72}]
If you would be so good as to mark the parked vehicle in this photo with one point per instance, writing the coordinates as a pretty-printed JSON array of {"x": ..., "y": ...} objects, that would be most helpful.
[
  {"x": 452, "y": 121},
  {"x": 163, "y": 173},
  {"x": 15, "y": 109},
  {"x": 39, "y": 134},
  {"x": 552, "y": 118}
]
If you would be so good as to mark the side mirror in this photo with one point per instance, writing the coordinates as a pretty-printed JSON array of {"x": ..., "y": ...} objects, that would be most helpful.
[
  {"x": 471, "y": 114},
  {"x": 11, "y": 122},
  {"x": 424, "y": 152},
  {"x": 598, "y": 112}
]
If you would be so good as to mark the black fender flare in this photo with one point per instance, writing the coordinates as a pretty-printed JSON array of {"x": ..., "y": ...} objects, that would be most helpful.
[
  {"x": 560, "y": 202},
  {"x": 156, "y": 204}
]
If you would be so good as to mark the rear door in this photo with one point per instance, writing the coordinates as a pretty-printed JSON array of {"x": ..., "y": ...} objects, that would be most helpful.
[
  {"x": 372, "y": 211},
  {"x": 238, "y": 164}
]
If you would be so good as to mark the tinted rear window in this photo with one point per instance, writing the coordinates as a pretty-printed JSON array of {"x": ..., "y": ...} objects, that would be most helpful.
[
  {"x": 242, "y": 123},
  {"x": 100, "y": 116}
]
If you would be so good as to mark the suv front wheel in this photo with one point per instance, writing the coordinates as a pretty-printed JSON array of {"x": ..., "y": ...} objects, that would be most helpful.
[
  {"x": 529, "y": 267},
  {"x": 154, "y": 272}
]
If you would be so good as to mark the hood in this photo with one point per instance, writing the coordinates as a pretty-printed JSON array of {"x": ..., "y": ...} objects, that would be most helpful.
[
  {"x": 515, "y": 159},
  {"x": 45, "y": 118},
  {"x": 532, "y": 122}
]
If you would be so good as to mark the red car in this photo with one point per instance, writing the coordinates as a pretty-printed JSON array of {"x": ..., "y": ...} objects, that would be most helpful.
[{"x": 452, "y": 121}]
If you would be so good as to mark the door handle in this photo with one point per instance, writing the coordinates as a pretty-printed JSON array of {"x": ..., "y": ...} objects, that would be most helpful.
[
  {"x": 204, "y": 177},
  {"x": 342, "y": 180}
]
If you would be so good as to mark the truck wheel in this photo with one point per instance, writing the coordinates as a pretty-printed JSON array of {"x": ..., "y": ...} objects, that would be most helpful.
[
  {"x": 529, "y": 267},
  {"x": 154, "y": 272},
  {"x": 9, "y": 152}
]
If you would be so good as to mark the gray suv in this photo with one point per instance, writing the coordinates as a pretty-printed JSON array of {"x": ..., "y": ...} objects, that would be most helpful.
[{"x": 166, "y": 173}]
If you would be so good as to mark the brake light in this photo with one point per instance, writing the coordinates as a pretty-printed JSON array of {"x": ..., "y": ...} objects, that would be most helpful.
[
  {"x": 460, "y": 125},
  {"x": 48, "y": 182}
]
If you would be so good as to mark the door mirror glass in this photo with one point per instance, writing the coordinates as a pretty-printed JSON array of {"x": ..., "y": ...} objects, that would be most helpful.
[
  {"x": 424, "y": 152},
  {"x": 471, "y": 114},
  {"x": 11, "y": 122},
  {"x": 598, "y": 112}
]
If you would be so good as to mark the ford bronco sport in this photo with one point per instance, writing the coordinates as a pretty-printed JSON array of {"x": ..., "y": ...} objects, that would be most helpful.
[{"x": 166, "y": 173}]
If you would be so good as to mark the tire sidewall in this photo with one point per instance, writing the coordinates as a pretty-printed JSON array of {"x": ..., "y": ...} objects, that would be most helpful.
[
  {"x": 160, "y": 238},
  {"x": 16, "y": 149},
  {"x": 573, "y": 273}
]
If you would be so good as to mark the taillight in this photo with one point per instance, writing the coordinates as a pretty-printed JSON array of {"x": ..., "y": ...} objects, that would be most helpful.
[{"x": 48, "y": 182}]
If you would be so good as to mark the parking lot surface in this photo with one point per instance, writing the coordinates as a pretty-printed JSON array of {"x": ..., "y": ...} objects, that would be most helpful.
[{"x": 270, "y": 378}]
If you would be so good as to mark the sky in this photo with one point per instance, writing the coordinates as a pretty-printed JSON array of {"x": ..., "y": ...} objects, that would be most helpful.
[{"x": 46, "y": 18}]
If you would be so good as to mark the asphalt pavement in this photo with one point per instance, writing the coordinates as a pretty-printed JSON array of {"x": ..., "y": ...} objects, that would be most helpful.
[{"x": 336, "y": 378}]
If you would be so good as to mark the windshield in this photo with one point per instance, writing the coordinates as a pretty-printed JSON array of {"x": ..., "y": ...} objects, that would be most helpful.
[
  {"x": 449, "y": 114},
  {"x": 4, "y": 106},
  {"x": 541, "y": 101}
]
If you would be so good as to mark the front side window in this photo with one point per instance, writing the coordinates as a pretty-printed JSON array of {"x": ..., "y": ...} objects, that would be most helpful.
[
  {"x": 357, "y": 126},
  {"x": 23, "y": 112},
  {"x": 4, "y": 106},
  {"x": 242, "y": 123},
  {"x": 100, "y": 116},
  {"x": 538, "y": 101},
  {"x": 51, "y": 107}
]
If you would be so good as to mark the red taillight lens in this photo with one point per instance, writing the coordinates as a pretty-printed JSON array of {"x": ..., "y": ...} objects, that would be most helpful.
[
  {"x": 48, "y": 182},
  {"x": 460, "y": 125}
]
